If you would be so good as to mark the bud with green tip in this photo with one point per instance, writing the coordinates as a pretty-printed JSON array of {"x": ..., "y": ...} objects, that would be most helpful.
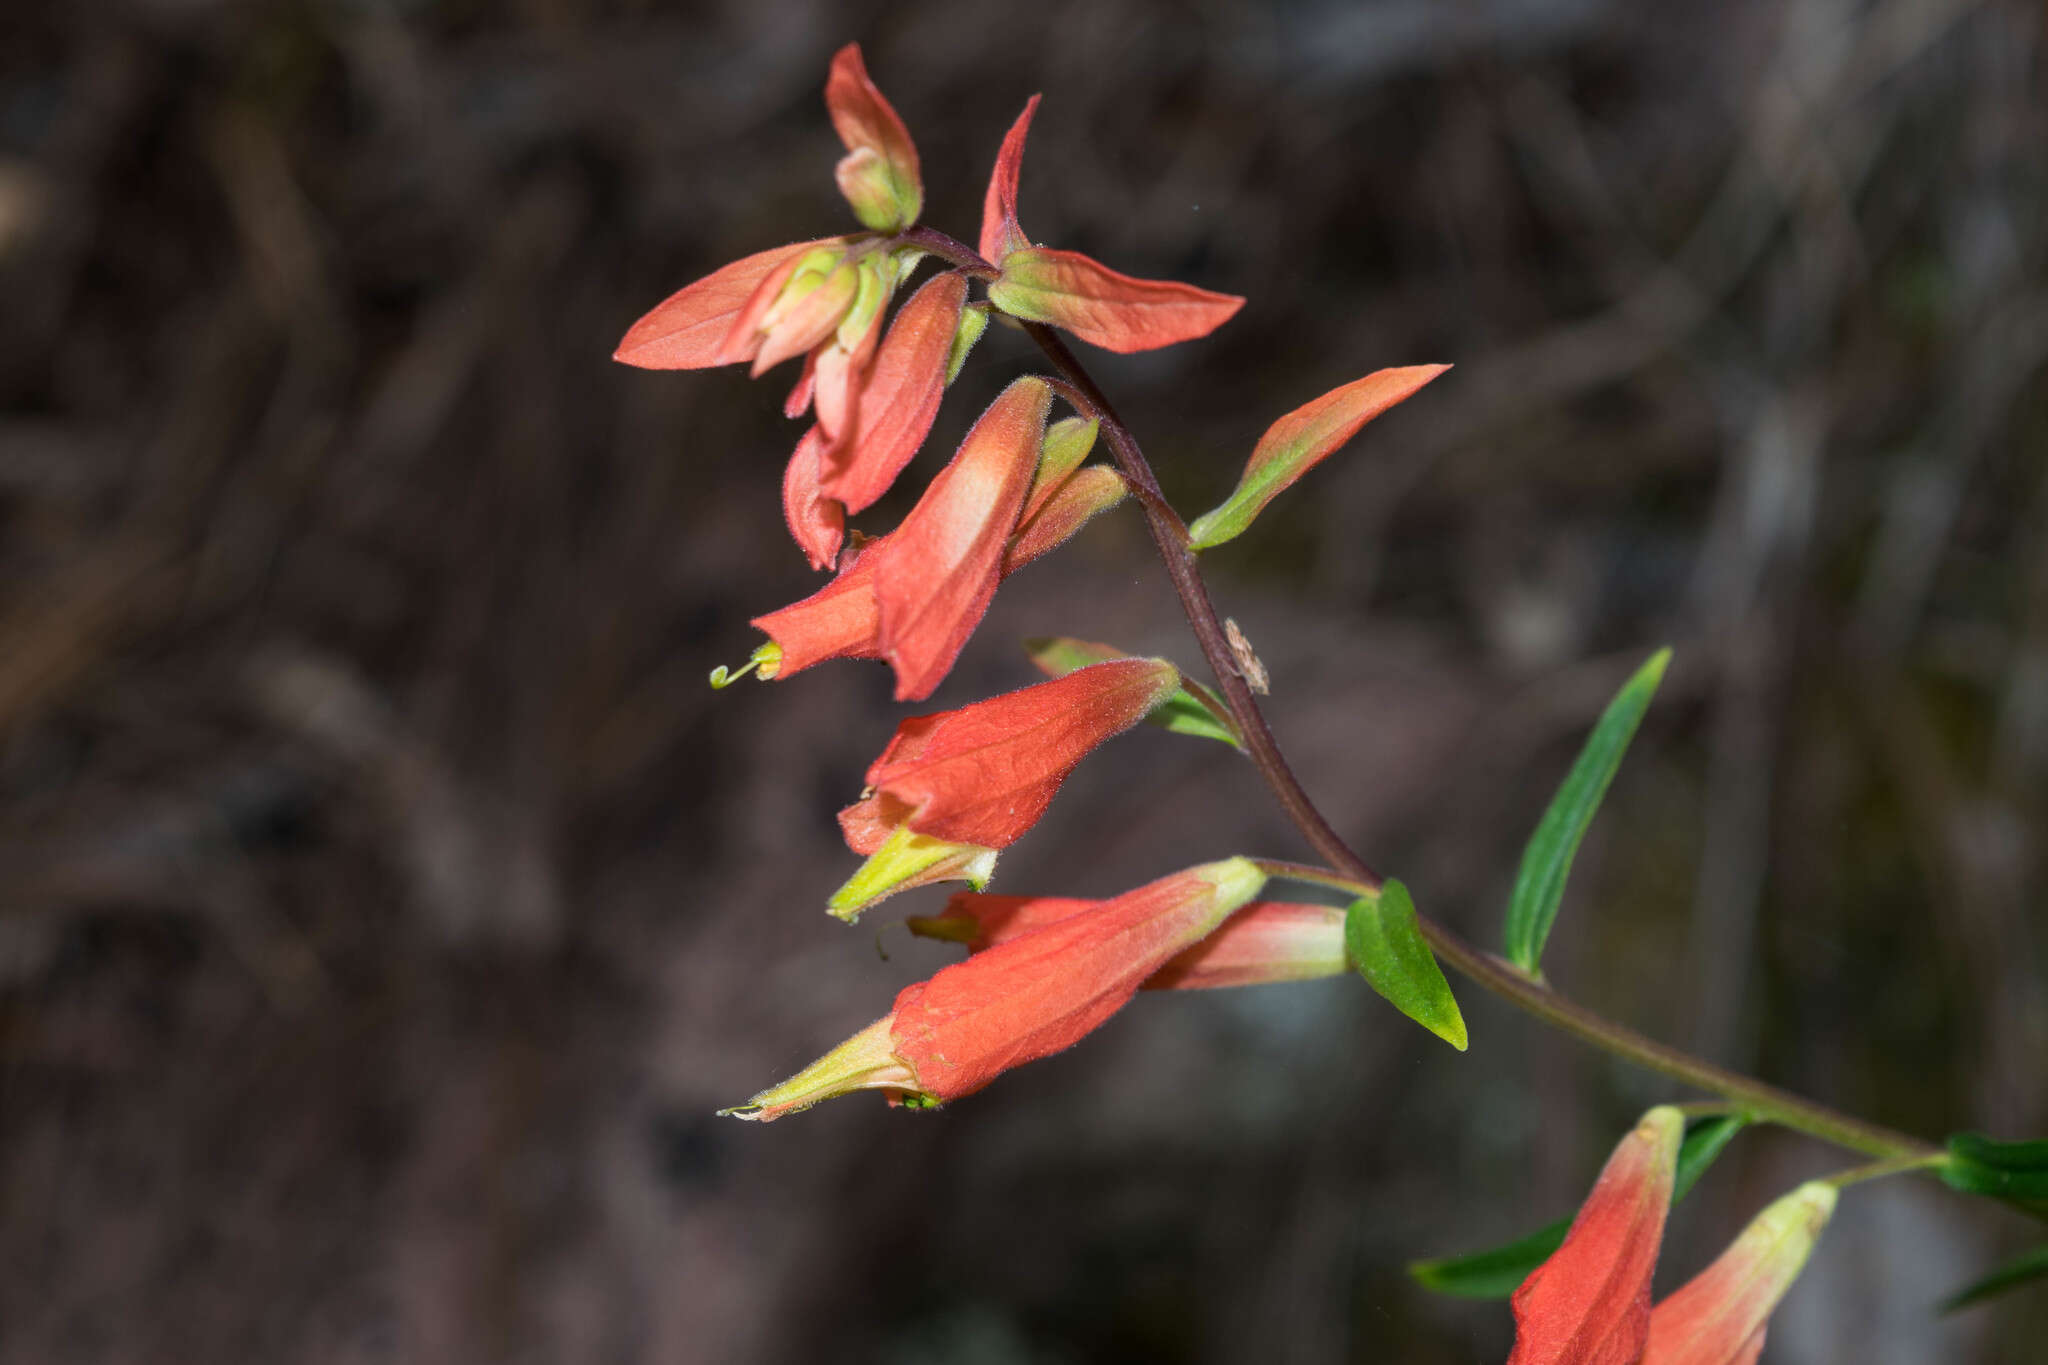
[
  {"x": 1029, "y": 997},
  {"x": 1300, "y": 441},
  {"x": 1718, "y": 1317}
]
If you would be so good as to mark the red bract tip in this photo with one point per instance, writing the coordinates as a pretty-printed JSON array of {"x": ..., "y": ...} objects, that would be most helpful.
[
  {"x": 686, "y": 330},
  {"x": 1589, "y": 1304},
  {"x": 879, "y": 175},
  {"x": 1116, "y": 312},
  {"x": 1000, "y": 234}
]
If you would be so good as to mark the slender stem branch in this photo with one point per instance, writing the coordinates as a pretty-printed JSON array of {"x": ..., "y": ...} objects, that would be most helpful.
[
  {"x": 1877, "y": 1170},
  {"x": 1525, "y": 992},
  {"x": 1351, "y": 873}
]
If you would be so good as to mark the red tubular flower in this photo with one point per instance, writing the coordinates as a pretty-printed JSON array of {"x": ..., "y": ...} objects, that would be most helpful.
[
  {"x": 1266, "y": 941},
  {"x": 1076, "y": 292},
  {"x": 1718, "y": 1317},
  {"x": 936, "y": 575},
  {"x": 1027, "y": 998},
  {"x": 843, "y": 620},
  {"x": 1589, "y": 1304},
  {"x": 898, "y": 397},
  {"x": 967, "y": 783}
]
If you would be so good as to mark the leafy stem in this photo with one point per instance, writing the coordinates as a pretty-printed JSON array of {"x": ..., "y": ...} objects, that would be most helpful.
[{"x": 1346, "y": 871}]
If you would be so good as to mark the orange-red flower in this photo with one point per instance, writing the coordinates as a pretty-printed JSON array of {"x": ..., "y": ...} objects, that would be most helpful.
[
  {"x": 1076, "y": 292},
  {"x": 914, "y": 596},
  {"x": 960, "y": 785},
  {"x": 825, "y": 300},
  {"x": 898, "y": 398},
  {"x": 1265, "y": 941},
  {"x": 1718, "y": 1317},
  {"x": 1589, "y": 1304},
  {"x": 1024, "y": 999}
]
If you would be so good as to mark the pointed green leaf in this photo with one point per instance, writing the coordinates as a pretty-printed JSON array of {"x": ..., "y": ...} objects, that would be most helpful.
[
  {"x": 1499, "y": 1271},
  {"x": 973, "y": 322},
  {"x": 1704, "y": 1141},
  {"x": 1492, "y": 1274},
  {"x": 1194, "y": 710},
  {"x": 1299, "y": 442},
  {"x": 2009, "y": 1170},
  {"x": 1384, "y": 945},
  {"x": 1547, "y": 861},
  {"x": 2028, "y": 1265}
]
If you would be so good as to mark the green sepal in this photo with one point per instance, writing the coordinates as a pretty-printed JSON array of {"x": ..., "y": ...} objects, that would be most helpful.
[
  {"x": 908, "y": 860},
  {"x": 973, "y": 322},
  {"x": 1387, "y": 950},
  {"x": 1497, "y": 1272},
  {"x": 2007, "y": 1170},
  {"x": 1064, "y": 449},
  {"x": 2027, "y": 1266},
  {"x": 1547, "y": 861},
  {"x": 1193, "y": 710}
]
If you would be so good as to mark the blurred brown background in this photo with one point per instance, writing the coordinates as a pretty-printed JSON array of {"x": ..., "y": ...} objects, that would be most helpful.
[{"x": 386, "y": 904}]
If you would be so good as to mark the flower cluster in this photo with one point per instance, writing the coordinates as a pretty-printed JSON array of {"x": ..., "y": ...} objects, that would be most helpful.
[
  {"x": 951, "y": 790},
  {"x": 1589, "y": 1304}
]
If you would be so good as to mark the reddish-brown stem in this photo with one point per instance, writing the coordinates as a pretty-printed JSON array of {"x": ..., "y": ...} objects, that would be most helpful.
[{"x": 1169, "y": 534}]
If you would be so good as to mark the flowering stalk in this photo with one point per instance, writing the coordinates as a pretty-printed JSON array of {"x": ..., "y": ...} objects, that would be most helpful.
[
  {"x": 953, "y": 788},
  {"x": 1352, "y": 873}
]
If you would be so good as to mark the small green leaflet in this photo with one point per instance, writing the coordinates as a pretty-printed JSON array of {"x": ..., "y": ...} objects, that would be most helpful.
[
  {"x": 2028, "y": 1265},
  {"x": 1194, "y": 710},
  {"x": 1499, "y": 1271},
  {"x": 2008, "y": 1170},
  {"x": 1384, "y": 945},
  {"x": 1547, "y": 861}
]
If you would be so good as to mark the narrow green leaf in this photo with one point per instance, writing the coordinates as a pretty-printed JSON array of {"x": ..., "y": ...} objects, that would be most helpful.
[
  {"x": 2028, "y": 1265},
  {"x": 1492, "y": 1274},
  {"x": 1193, "y": 710},
  {"x": 1499, "y": 1271},
  {"x": 1704, "y": 1142},
  {"x": 1547, "y": 861},
  {"x": 1384, "y": 945},
  {"x": 1299, "y": 442},
  {"x": 2009, "y": 1170}
]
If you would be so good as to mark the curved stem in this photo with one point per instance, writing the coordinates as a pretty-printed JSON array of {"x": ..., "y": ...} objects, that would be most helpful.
[
  {"x": 1351, "y": 873},
  {"x": 1756, "y": 1098},
  {"x": 1878, "y": 1170}
]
